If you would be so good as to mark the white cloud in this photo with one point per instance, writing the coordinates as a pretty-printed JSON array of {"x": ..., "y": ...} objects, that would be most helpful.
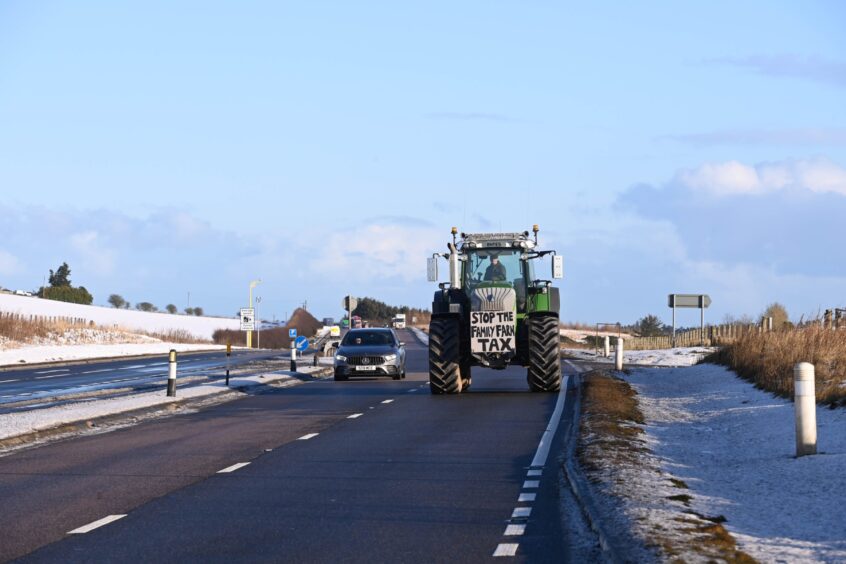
[
  {"x": 95, "y": 255},
  {"x": 377, "y": 251},
  {"x": 818, "y": 175},
  {"x": 9, "y": 263}
]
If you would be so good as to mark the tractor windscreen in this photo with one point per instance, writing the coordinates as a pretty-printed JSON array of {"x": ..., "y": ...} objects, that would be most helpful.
[{"x": 495, "y": 265}]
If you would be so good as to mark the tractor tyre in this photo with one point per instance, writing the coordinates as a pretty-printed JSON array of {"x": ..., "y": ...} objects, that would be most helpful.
[
  {"x": 544, "y": 354},
  {"x": 444, "y": 357}
]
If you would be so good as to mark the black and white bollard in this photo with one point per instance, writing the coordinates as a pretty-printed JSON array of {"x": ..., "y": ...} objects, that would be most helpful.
[
  {"x": 607, "y": 346},
  {"x": 618, "y": 354},
  {"x": 293, "y": 359},
  {"x": 314, "y": 363},
  {"x": 228, "y": 354},
  {"x": 171, "y": 374},
  {"x": 805, "y": 404}
]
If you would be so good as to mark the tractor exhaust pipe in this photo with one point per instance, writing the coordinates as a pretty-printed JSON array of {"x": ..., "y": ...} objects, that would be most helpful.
[{"x": 454, "y": 267}]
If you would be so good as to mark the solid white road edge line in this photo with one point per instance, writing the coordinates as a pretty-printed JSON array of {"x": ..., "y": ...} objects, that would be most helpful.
[
  {"x": 99, "y": 523},
  {"x": 546, "y": 439},
  {"x": 232, "y": 468},
  {"x": 506, "y": 549},
  {"x": 307, "y": 437}
]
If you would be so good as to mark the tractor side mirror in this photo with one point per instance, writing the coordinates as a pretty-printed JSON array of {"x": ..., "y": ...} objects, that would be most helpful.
[
  {"x": 557, "y": 267},
  {"x": 432, "y": 269}
]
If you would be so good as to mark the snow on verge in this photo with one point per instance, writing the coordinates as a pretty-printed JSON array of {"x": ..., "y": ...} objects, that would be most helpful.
[
  {"x": 59, "y": 353},
  {"x": 734, "y": 447},
  {"x": 679, "y": 356}
]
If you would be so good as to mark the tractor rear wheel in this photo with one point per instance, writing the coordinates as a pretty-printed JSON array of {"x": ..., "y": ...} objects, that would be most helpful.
[
  {"x": 544, "y": 354},
  {"x": 444, "y": 357}
]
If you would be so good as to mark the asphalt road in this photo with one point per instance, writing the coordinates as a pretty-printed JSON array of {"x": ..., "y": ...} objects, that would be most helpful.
[
  {"x": 61, "y": 379},
  {"x": 357, "y": 471}
]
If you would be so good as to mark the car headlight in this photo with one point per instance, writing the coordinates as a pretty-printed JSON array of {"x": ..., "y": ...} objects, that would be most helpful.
[
  {"x": 340, "y": 357},
  {"x": 390, "y": 358}
]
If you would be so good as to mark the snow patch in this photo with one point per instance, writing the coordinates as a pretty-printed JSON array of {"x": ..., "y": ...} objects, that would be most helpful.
[{"x": 734, "y": 447}]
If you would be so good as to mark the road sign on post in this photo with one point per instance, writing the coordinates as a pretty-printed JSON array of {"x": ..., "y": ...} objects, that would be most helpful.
[
  {"x": 349, "y": 303},
  {"x": 292, "y": 333},
  {"x": 700, "y": 301},
  {"x": 301, "y": 343},
  {"x": 248, "y": 319}
]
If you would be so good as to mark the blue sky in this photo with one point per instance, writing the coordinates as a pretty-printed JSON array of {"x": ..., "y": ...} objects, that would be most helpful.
[{"x": 328, "y": 147}]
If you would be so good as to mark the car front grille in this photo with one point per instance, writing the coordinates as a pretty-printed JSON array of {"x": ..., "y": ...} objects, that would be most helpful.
[{"x": 366, "y": 360}]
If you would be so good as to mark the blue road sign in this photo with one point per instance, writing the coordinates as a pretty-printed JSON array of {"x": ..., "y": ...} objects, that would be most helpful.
[
  {"x": 301, "y": 343},
  {"x": 292, "y": 333}
]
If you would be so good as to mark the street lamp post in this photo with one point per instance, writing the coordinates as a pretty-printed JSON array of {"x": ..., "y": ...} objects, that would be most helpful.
[
  {"x": 253, "y": 284},
  {"x": 258, "y": 324}
]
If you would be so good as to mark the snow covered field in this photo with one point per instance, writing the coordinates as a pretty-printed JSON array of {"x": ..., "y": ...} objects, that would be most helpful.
[
  {"x": 56, "y": 353},
  {"x": 200, "y": 327},
  {"x": 733, "y": 445}
]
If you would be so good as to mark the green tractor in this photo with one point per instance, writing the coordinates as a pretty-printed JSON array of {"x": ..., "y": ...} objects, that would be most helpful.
[{"x": 493, "y": 312}]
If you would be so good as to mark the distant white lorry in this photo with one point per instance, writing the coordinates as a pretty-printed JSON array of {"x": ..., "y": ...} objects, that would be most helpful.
[{"x": 399, "y": 321}]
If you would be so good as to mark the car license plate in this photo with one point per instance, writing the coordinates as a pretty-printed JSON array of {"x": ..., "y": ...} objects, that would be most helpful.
[{"x": 366, "y": 368}]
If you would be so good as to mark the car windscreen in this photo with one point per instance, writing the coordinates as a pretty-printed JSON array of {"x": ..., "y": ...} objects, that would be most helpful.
[{"x": 367, "y": 339}]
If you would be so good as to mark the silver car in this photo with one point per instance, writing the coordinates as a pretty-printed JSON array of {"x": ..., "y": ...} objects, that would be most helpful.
[{"x": 370, "y": 352}]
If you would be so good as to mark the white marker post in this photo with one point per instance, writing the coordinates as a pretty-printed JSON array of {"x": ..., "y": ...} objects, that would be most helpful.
[
  {"x": 618, "y": 354},
  {"x": 805, "y": 404},
  {"x": 607, "y": 346},
  {"x": 171, "y": 374},
  {"x": 293, "y": 356}
]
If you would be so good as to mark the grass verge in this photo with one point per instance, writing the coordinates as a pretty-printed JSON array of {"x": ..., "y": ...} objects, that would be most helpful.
[
  {"x": 615, "y": 455},
  {"x": 767, "y": 360}
]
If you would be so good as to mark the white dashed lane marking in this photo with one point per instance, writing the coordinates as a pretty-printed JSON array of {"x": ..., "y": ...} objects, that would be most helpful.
[
  {"x": 96, "y": 524},
  {"x": 531, "y": 484},
  {"x": 520, "y": 512},
  {"x": 534, "y": 473},
  {"x": 98, "y": 371},
  {"x": 355, "y": 416},
  {"x": 307, "y": 437},
  {"x": 52, "y": 371},
  {"x": 13, "y": 380},
  {"x": 232, "y": 468},
  {"x": 515, "y": 530},
  {"x": 524, "y": 497},
  {"x": 506, "y": 549},
  {"x": 387, "y": 401}
]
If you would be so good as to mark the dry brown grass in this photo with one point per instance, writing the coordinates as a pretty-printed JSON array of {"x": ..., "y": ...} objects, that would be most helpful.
[
  {"x": 767, "y": 360},
  {"x": 176, "y": 336},
  {"x": 611, "y": 445},
  {"x": 24, "y": 331}
]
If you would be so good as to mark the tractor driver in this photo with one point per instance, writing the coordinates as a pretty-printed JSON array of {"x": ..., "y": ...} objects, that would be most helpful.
[{"x": 495, "y": 271}]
